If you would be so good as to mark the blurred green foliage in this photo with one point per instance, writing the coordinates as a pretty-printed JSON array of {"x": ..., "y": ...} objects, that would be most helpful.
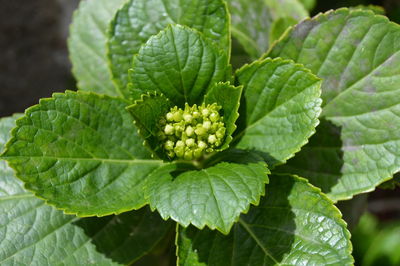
[{"x": 376, "y": 243}]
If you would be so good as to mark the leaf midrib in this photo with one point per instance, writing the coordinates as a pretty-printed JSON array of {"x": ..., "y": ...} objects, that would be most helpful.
[
  {"x": 258, "y": 241},
  {"x": 122, "y": 161}
]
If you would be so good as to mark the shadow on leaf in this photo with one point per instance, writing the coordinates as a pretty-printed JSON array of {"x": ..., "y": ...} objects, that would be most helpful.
[
  {"x": 262, "y": 237},
  {"x": 321, "y": 160},
  {"x": 126, "y": 237}
]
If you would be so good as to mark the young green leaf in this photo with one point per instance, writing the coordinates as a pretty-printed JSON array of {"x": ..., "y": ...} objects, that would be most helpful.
[
  {"x": 34, "y": 233},
  {"x": 228, "y": 97},
  {"x": 138, "y": 20},
  {"x": 357, "y": 53},
  {"x": 280, "y": 108},
  {"x": 87, "y": 45},
  {"x": 214, "y": 196},
  {"x": 252, "y": 21},
  {"x": 294, "y": 225},
  {"x": 147, "y": 112},
  {"x": 81, "y": 153},
  {"x": 180, "y": 63},
  {"x": 279, "y": 27}
]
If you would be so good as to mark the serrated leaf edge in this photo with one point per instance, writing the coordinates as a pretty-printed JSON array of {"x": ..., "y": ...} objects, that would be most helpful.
[
  {"x": 66, "y": 211},
  {"x": 204, "y": 224},
  {"x": 306, "y": 70}
]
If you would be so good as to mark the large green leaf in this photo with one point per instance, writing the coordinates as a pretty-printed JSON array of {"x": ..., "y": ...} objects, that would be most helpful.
[
  {"x": 357, "y": 54},
  {"x": 87, "y": 45},
  {"x": 36, "y": 234},
  {"x": 294, "y": 225},
  {"x": 280, "y": 108},
  {"x": 81, "y": 153},
  {"x": 166, "y": 64},
  {"x": 252, "y": 21},
  {"x": 138, "y": 20},
  {"x": 214, "y": 196},
  {"x": 228, "y": 97}
]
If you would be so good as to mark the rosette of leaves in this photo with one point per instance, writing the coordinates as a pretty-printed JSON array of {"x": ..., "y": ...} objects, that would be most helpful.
[{"x": 115, "y": 146}]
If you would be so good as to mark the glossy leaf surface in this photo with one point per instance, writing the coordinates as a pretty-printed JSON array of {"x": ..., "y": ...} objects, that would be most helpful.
[
  {"x": 81, "y": 153},
  {"x": 280, "y": 108},
  {"x": 214, "y": 196},
  {"x": 357, "y": 53},
  {"x": 87, "y": 45},
  {"x": 293, "y": 225},
  {"x": 180, "y": 63},
  {"x": 138, "y": 20}
]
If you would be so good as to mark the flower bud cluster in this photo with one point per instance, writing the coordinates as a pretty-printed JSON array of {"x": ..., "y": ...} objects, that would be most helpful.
[{"x": 190, "y": 133}]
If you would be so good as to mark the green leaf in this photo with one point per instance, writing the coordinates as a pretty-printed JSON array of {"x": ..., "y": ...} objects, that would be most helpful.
[
  {"x": 252, "y": 21},
  {"x": 214, "y": 196},
  {"x": 87, "y": 45},
  {"x": 81, "y": 153},
  {"x": 279, "y": 27},
  {"x": 280, "y": 108},
  {"x": 8, "y": 184},
  {"x": 378, "y": 10},
  {"x": 127, "y": 237},
  {"x": 294, "y": 225},
  {"x": 147, "y": 113},
  {"x": 357, "y": 54},
  {"x": 167, "y": 65},
  {"x": 138, "y": 20},
  {"x": 33, "y": 233},
  {"x": 228, "y": 97}
]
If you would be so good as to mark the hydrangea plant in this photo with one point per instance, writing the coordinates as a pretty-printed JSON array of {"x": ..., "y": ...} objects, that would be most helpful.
[{"x": 163, "y": 126}]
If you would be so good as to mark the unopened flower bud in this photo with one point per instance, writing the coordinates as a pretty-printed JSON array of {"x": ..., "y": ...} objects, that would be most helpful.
[
  {"x": 214, "y": 116},
  {"x": 189, "y": 131},
  {"x": 212, "y": 139},
  {"x": 190, "y": 142},
  {"x": 169, "y": 130},
  {"x": 170, "y": 117},
  {"x": 207, "y": 125}
]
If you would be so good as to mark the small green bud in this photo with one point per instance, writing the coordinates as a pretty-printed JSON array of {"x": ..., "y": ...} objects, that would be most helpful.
[
  {"x": 196, "y": 114},
  {"x": 169, "y": 145},
  {"x": 190, "y": 142},
  {"x": 171, "y": 154},
  {"x": 221, "y": 132},
  {"x": 214, "y": 116},
  {"x": 188, "y": 118},
  {"x": 202, "y": 145},
  {"x": 170, "y": 117},
  {"x": 207, "y": 125},
  {"x": 177, "y": 116},
  {"x": 189, "y": 131},
  {"x": 205, "y": 112},
  {"x": 169, "y": 130},
  {"x": 212, "y": 139},
  {"x": 179, "y": 151},
  {"x": 180, "y": 143},
  {"x": 200, "y": 130}
]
